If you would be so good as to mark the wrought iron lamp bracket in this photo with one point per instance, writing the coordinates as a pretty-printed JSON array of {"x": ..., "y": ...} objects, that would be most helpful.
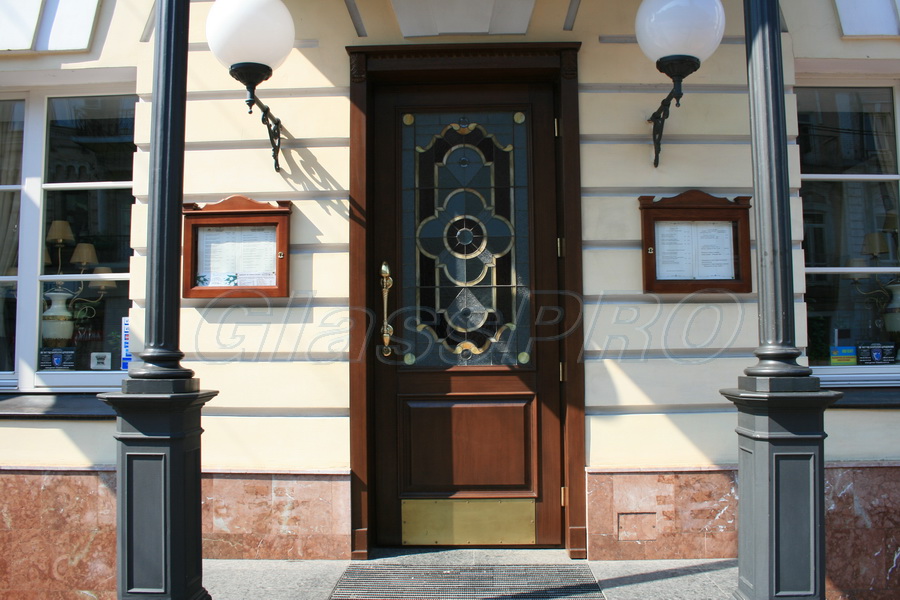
[
  {"x": 658, "y": 119},
  {"x": 677, "y": 68},
  {"x": 251, "y": 75},
  {"x": 272, "y": 123}
]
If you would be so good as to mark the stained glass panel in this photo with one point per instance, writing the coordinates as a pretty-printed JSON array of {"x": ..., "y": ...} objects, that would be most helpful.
[{"x": 465, "y": 238}]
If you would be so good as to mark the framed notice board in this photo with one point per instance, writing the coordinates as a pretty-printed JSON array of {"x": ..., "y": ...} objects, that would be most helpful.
[
  {"x": 237, "y": 248},
  {"x": 695, "y": 241}
]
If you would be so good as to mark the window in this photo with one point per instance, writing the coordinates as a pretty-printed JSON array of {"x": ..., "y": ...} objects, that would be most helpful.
[
  {"x": 65, "y": 218},
  {"x": 47, "y": 25},
  {"x": 849, "y": 189},
  {"x": 11, "y": 125},
  {"x": 869, "y": 17}
]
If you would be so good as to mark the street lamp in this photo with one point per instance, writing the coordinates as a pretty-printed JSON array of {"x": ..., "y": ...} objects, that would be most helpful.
[
  {"x": 677, "y": 35},
  {"x": 252, "y": 38}
]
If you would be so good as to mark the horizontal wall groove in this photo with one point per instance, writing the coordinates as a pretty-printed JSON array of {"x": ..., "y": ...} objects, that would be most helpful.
[
  {"x": 294, "y": 196},
  {"x": 632, "y": 39},
  {"x": 276, "y": 411},
  {"x": 204, "y": 46},
  {"x": 299, "y": 299},
  {"x": 266, "y": 357},
  {"x": 261, "y": 143},
  {"x": 663, "y": 88},
  {"x": 660, "y": 469},
  {"x": 319, "y": 248},
  {"x": 614, "y": 297},
  {"x": 685, "y": 355},
  {"x": 656, "y": 409},
  {"x": 324, "y": 248},
  {"x": 672, "y": 139},
  {"x": 277, "y": 472},
  {"x": 860, "y": 464},
  {"x": 663, "y": 192},
  {"x": 588, "y": 245},
  {"x": 205, "y": 471},
  {"x": 268, "y": 93}
]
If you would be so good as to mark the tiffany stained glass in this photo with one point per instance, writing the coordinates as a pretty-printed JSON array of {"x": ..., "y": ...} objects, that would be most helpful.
[{"x": 465, "y": 239}]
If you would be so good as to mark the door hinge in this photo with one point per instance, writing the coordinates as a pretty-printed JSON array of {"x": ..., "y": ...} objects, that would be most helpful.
[
  {"x": 555, "y": 127},
  {"x": 562, "y": 371},
  {"x": 563, "y": 496},
  {"x": 560, "y": 247}
]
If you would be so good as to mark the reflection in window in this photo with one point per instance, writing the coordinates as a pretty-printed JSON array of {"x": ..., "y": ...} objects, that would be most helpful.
[
  {"x": 90, "y": 139},
  {"x": 11, "y": 127},
  {"x": 850, "y": 219},
  {"x": 86, "y": 232},
  {"x": 81, "y": 327}
]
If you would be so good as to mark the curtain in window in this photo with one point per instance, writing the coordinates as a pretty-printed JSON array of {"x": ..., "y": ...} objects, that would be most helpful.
[{"x": 10, "y": 174}]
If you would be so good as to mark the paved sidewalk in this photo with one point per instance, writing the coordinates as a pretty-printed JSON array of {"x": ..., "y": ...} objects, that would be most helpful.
[{"x": 619, "y": 580}]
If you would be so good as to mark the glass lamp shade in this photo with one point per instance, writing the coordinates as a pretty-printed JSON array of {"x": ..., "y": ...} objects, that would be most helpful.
[
  {"x": 250, "y": 31},
  {"x": 102, "y": 285},
  {"x": 680, "y": 28},
  {"x": 60, "y": 232},
  {"x": 875, "y": 244},
  {"x": 84, "y": 255}
]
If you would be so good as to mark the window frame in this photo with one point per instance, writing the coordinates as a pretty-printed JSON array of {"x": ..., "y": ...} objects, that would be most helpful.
[
  {"x": 30, "y": 280},
  {"x": 856, "y": 375}
]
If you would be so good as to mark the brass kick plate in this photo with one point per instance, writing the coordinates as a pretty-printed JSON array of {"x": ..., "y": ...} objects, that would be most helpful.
[{"x": 482, "y": 522}]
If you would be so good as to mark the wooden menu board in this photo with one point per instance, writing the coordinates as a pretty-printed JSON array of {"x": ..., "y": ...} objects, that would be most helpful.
[
  {"x": 695, "y": 241},
  {"x": 237, "y": 248}
]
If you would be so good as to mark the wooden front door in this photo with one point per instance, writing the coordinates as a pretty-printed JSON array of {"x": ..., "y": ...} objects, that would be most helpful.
[{"x": 466, "y": 364}]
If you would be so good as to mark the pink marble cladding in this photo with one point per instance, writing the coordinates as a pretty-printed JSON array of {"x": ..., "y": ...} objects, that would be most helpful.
[
  {"x": 276, "y": 516},
  {"x": 694, "y": 515},
  {"x": 634, "y": 516},
  {"x": 58, "y": 529},
  {"x": 58, "y": 534},
  {"x": 862, "y": 531}
]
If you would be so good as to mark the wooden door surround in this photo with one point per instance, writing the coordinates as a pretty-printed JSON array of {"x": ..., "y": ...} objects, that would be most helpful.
[{"x": 546, "y": 63}]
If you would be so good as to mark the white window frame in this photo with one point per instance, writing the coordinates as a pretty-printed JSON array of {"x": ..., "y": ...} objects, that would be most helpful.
[
  {"x": 27, "y": 377},
  {"x": 858, "y": 375}
]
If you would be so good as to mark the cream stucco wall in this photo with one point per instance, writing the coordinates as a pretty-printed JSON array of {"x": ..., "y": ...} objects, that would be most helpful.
[{"x": 654, "y": 364}]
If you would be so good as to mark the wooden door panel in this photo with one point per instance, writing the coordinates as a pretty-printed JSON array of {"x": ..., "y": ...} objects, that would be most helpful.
[
  {"x": 486, "y": 426},
  {"x": 469, "y": 447}
]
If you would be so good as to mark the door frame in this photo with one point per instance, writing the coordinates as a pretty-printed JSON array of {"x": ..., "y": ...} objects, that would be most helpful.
[{"x": 554, "y": 63}]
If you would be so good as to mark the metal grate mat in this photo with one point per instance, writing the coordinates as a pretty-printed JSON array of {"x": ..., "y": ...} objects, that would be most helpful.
[{"x": 468, "y": 582}]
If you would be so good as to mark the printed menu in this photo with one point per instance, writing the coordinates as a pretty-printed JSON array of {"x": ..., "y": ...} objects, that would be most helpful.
[
  {"x": 694, "y": 250},
  {"x": 236, "y": 256}
]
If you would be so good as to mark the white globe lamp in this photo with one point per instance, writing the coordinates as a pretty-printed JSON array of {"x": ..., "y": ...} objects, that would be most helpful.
[
  {"x": 678, "y": 35},
  {"x": 251, "y": 38}
]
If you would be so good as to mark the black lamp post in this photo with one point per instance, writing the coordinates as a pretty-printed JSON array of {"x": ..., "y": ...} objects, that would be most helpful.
[
  {"x": 252, "y": 38},
  {"x": 781, "y": 432},
  {"x": 677, "y": 35},
  {"x": 159, "y": 553},
  {"x": 159, "y": 540}
]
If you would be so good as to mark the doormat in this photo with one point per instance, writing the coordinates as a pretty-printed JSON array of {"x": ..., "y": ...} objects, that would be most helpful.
[{"x": 466, "y": 582}]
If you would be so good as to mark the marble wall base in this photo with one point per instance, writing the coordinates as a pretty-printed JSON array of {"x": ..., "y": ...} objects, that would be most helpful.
[
  {"x": 276, "y": 516},
  {"x": 693, "y": 514},
  {"x": 637, "y": 516},
  {"x": 58, "y": 528},
  {"x": 58, "y": 535},
  {"x": 862, "y": 532}
]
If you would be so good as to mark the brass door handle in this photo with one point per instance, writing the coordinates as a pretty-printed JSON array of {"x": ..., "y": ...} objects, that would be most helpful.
[{"x": 386, "y": 330}]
